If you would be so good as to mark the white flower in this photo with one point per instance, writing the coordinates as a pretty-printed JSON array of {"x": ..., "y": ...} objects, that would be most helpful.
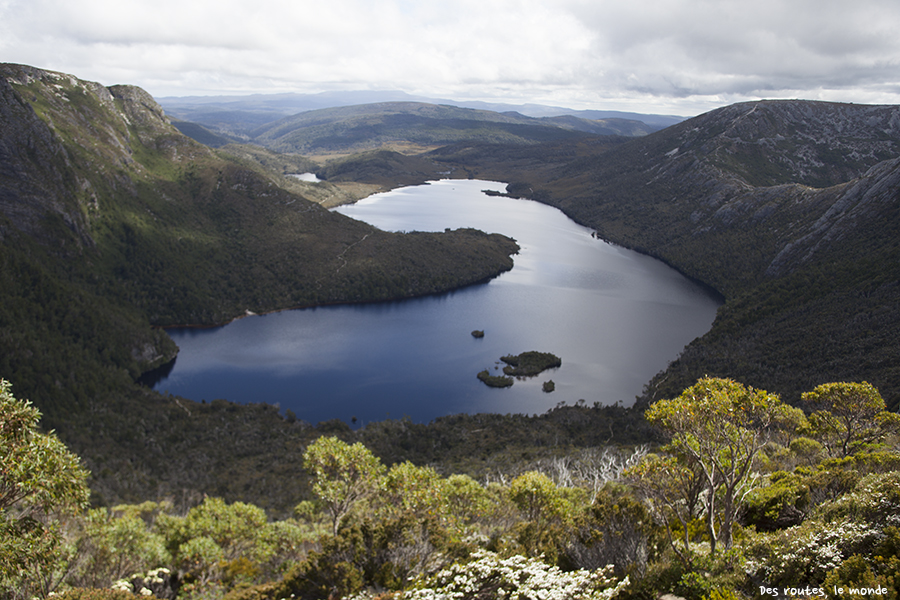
[{"x": 123, "y": 585}]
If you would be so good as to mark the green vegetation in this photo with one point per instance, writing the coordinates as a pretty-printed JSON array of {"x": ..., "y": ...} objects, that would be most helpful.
[
  {"x": 342, "y": 475},
  {"x": 40, "y": 482},
  {"x": 497, "y": 381},
  {"x": 848, "y": 416},
  {"x": 716, "y": 429},
  {"x": 529, "y": 364},
  {"x": 737, "y": 502}
]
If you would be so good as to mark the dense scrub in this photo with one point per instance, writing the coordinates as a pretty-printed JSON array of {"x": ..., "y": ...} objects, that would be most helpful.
[{"x": 805, "y": 514}]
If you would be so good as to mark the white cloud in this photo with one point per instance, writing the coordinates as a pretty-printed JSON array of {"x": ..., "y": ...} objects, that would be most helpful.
[{"x": 675, "y": 56}]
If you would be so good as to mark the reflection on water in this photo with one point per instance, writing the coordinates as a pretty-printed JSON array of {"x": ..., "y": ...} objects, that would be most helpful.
[{"x": 615, "y": 318}]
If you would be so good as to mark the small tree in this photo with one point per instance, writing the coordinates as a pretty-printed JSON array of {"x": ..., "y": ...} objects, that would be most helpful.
[
  {"x": 39, "y": 479},
  {"x": 547, "y": 511},
  {"x": 848, "y": 415},
  {"x": 718, "y": 426},
  {"x": 672, "y": 487},
  {"x": 343, "y": 474}
]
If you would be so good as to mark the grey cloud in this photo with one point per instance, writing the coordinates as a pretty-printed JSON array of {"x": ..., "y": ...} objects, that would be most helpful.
[{"x": 676, "y": 56}]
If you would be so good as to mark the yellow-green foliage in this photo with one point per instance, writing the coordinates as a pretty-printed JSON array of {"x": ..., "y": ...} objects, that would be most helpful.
[
  {"x": 95, "y": 594},
  {"x": 848, "y": 416},
  {"x": 717, "y": 427},
  {"x": 404, "y": 525},
  {"x": 41, "y": 482}
]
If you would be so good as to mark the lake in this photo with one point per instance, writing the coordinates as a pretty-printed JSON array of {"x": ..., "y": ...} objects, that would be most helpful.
[{"x": 614, "y": 317}]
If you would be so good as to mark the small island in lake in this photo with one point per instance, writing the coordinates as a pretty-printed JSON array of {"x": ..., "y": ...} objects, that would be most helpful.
[
  {"x": 527, "y": 364},
  {"x": 497, "y": 381}
]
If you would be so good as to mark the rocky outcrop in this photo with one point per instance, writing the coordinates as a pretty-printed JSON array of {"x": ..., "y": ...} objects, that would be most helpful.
[
  {"x": 852, "y": 208},
  {"x": 35, "y": 172},
  {"x": 773, "y": 142},
  {"x": 67, "y": 144}
]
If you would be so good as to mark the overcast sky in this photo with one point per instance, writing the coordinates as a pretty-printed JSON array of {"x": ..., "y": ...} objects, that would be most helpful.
[{"x": 679, "y": 57}]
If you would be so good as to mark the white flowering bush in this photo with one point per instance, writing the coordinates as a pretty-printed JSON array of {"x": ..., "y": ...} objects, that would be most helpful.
[
  {"x": 157, "y": 582},
  {"x": 516, "y": 578},
  {"x": 807, "y": 552},
  {"x": 876, "y": 499},
  {"x": 852, "y": 524}
]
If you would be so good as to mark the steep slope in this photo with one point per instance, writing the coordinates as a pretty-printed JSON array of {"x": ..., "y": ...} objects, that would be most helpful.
[
  {"x": 741, "y": 176},
  {"x": 111, "y": 222},
  {"x": 788, "y": 208},
  {"x": 34, "y": 168}
]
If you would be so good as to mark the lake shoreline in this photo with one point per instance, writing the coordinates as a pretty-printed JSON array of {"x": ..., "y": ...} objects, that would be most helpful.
[
  {"x": 250, "y": 313},
  {"x": 414, "y": 355}
]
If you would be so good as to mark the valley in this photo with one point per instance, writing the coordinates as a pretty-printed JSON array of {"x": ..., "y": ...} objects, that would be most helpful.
[
  {"x": 115, "y": 223},
  {"x": 763, "y": 457}
]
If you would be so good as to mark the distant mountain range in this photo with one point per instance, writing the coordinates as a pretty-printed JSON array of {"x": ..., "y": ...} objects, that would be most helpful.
[
  {"x": 356, "y": 121},
  {"x": 183, "y": 107}
]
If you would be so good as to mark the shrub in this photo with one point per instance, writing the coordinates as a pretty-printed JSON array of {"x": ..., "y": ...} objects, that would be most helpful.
[
  {"x": 780, "y": 504},
  {"x": 874, "y": 500},
  {"x": 854, "y": 575},
  {"x": 488, "y": 576},
  {"x": 615, "y": 530},
  {"x": 806, "y": 553},
  {"x": 94, "y": 594}
]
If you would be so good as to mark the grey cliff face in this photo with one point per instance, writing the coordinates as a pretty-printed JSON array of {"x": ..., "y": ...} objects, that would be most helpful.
[
  {"x": 63, "y": 141},
  {"x": 34, "y": 169}
]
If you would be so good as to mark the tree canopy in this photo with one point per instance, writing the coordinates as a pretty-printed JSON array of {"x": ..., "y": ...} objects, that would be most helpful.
[
  {"x": 39, "y": 478},
  {"x": 848, "y": 415},
  {"x": 343, "y": 474},
  {"x": 717, "y": 426}
]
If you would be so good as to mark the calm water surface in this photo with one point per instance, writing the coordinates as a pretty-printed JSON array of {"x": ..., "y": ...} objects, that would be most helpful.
[{"x": 615, "y": 318}]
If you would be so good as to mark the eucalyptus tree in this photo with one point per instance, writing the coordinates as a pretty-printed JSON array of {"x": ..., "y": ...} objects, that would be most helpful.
[
  {"x": 40, "y": 480},
  {"x": 343, "y": 474},
  {"x": 846, "y": 416},
  {"x": 718, "y": 427}
]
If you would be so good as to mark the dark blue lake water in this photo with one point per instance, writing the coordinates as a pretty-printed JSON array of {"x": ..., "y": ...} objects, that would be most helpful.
[{"x": 614, "y": 316}]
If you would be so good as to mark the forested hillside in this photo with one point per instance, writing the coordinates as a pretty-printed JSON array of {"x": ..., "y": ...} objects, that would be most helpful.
[
  {"x": 790, "y": 209},
  {"x": 113, "y": 223}
]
